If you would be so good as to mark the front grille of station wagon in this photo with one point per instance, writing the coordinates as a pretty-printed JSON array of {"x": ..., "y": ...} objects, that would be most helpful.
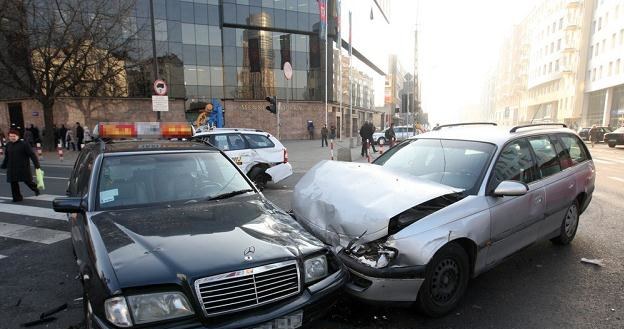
[{"x": 238, "y": 290}]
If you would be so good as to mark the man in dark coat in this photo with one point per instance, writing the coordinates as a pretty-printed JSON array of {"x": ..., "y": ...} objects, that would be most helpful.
[
  {"x": 63, "y": 133},
  {"x": 363, "y": 134},
  {"x": 79, "y": 135},
  {"x": 16, "y": 161},
  {"x": 369, "y": 136}
]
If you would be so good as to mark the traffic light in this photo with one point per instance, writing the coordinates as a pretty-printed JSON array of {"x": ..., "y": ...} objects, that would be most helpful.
[{"x": 272, "y": 107}]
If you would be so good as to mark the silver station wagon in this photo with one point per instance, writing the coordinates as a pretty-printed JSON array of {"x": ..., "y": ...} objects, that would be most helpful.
[{"x": 445, "y": 206}]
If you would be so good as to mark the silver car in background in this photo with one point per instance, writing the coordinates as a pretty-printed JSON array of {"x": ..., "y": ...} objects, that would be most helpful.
[
  {"x": 400, "y": 132},
  {"x": 444, "y": 206}
]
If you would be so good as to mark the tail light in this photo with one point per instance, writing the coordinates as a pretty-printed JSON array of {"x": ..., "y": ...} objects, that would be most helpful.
[{"x": 285, "y": 155}]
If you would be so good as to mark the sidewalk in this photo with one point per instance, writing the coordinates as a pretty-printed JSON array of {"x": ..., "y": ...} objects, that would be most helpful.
[{"x": 304, "y": 154}]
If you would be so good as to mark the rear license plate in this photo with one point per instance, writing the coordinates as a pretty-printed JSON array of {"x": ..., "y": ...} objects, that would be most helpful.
[{"x": 291, "y": 321}]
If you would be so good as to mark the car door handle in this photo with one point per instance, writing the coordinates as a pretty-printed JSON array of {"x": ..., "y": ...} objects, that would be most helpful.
[
  {"x": 539, "y": 199},
  {"x": 571, "y": 186}
]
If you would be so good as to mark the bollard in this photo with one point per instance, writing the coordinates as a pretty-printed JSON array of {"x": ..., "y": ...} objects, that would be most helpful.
[
  {"x": 60, "y": 152},
  {"x": 1, "y": 150},
  {"x": 368, "y": 157},
  {"x": 331, "y": 149},
  {"x": 39, "y": 153}
]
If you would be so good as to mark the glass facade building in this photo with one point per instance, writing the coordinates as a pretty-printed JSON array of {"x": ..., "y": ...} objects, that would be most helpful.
[{"x": 229, "y": 49}]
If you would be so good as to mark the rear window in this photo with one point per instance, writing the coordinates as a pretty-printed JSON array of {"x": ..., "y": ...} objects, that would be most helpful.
[
  {"x": 575, "y": 149},
  {"x": 258, "y": 141}
]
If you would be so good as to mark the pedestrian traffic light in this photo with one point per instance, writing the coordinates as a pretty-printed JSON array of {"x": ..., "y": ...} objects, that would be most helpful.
[{"x": 272, "y": 107}]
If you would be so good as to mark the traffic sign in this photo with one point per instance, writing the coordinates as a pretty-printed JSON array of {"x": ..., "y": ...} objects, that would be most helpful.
[
  {"x": 160, "y": 87},
  {"x": 288, "y": 70}
]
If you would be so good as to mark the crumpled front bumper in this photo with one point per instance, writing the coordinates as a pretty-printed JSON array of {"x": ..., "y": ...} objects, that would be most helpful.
[
  {"x": 280, "y": 172},
  {"x": 392, "y": 284}
]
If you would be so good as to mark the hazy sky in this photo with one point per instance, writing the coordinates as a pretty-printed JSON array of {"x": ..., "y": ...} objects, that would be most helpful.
[{"x": 459, "y": 44}]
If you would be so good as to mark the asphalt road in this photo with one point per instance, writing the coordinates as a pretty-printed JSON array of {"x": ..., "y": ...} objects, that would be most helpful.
[{"x": 544, "y": 286}]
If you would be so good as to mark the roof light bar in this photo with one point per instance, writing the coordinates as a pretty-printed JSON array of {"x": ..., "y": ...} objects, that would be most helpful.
[{"x": 127, "y": 130}]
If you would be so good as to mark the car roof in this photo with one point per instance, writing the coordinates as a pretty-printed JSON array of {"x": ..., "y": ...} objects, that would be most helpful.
[
  {"x": 488, "y": 133},
  {"x": 150, "y": 145},
  {"x": 229, "y": 130}
]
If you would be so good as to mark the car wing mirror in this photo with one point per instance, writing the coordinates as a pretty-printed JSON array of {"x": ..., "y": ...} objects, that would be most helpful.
[
  {"x": 511, "y": 188},
  {"x": 69, "y": 205}
]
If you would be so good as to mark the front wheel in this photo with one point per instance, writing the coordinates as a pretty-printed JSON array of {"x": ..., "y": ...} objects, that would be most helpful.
[
  {"x": 611, "y": 145},
  {"x": 381, "y": 141},
  {"x": 568, "y": 225},
  {"x": 446, "y": 279}
]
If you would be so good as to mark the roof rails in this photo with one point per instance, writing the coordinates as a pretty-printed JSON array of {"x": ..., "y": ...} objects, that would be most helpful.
[
  {"x": 514, "y": 129},
  {"x": 464, "y": 124}
]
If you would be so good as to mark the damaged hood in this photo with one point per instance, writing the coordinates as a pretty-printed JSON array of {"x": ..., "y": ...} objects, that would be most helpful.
[
  {"x": 339, "y": 201},
  {"x": 149, "y": 246}
]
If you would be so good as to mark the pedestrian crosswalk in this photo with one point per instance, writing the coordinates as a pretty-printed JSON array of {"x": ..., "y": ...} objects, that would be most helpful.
[{"x": 31, "y": 221}]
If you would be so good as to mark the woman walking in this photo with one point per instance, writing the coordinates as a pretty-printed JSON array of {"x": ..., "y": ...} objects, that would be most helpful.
[{"x": 16, "y": 161}]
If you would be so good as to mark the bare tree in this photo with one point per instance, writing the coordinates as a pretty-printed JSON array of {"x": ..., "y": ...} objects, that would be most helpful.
[{"x": 65, "y": 48}]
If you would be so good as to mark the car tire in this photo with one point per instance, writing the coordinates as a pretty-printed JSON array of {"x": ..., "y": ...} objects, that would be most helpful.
[
  {"x": 611, "y": 145},
  {"x": 446, "y": 279},
  {"x": 258, "y": 177},
  {"x": 381, "y": 140},
  {"x": 569, "y": 225}
]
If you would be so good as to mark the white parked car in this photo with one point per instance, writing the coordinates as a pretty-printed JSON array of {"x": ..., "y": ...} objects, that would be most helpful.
[
  {"x": 401, "y": 133},
  {"x": 259, "y": 154}
]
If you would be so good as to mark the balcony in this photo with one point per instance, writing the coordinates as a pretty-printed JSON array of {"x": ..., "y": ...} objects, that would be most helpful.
[{"x": 572, "y": 3}]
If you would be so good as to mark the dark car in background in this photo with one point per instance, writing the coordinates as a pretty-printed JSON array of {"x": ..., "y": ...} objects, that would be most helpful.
[
  {"x": 615, "y": 137},
  {"x": 171, "y": 234},
  {"x": 584, "y": 132}
]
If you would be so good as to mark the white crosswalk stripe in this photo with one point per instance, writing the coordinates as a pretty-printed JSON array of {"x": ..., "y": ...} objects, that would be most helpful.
[
  {"x": 596, "y": 160},
  {"x": 621, "y": 180},
  {"x": 32, "y": 234},
  {"x": 31, "y": 211}
]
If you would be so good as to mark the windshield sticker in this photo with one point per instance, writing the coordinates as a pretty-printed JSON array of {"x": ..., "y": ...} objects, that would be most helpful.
[{"x": 108, "y": 195}]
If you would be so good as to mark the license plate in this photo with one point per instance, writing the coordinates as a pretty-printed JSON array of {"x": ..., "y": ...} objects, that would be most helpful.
[{"x": 290, "y": 321}]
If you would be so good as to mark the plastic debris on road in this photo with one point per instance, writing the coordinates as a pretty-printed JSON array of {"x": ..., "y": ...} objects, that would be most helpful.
[{"x": 597, "y": 262}]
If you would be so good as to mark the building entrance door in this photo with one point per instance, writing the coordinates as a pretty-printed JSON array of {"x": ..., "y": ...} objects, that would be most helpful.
[{"x": 16, "y": 116}]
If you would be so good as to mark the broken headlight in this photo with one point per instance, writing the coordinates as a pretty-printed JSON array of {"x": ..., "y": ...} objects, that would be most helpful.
[
  {"x": 374, "y": 254},
  {"x": 315, "y": 268}
]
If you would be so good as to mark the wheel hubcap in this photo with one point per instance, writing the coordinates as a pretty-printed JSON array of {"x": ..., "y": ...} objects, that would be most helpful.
[
  {"x": 445, "y": 281},
  {"x": 571, "y": 220}
]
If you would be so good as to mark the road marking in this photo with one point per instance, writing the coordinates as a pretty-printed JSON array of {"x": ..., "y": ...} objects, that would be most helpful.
[
  {"x": 621, "y": 180},
  {"x": 32, "y": 234},
  {"x": 32, "y": 211},
  {"x": 3, "y": 256},
  {"x": 46, "y": 177},
  {"x": 603, "y": 161},
  {"x": 45, "y": 197}
]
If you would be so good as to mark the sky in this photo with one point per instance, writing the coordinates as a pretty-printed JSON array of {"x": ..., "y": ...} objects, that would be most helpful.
[{"x": 459, "y": 44}]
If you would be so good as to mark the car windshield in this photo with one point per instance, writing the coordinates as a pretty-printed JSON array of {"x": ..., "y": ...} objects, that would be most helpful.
[
  {"x": 455, "y": 163},
  {"x": 133, "y": 180},
  {"x": 619, "y": 130}
]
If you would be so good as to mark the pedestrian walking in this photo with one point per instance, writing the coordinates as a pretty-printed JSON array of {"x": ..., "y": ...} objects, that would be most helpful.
[
  {"x": 593, "y": 135},
  {"x": 324, "y": 133},
  {"x": 311, "y": 129},
  {"x": 16, "y": 162},
  {"x": 390, "y": 135},
  {"x": 2, "y": 137},
  {"x": 35, "y": 133},
  {"x": 28, "y": 137},
  {"x": 332, "y": 132},
  {"x": 369, "y": 135},
  {"x": 363, "y": 136},
  {"x": 70, "y": 139},
  {"x": 79, "y": 133},
  {"x": 63, "y": 134},
  {"x": 87, "y": 135}
]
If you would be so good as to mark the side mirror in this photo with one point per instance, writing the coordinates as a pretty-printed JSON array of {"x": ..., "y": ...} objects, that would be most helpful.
[
  {"x": 68, "y": 205},
  {"x": 511, "y": 188}
]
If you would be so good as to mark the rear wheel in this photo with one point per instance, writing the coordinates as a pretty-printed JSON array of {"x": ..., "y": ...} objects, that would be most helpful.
[
  {"x": 611, "y": 145},
  {"x": 568, "y": 225},
  {"x": 381, "y": 141},
  {"x": 446, "y": 279},
  {"x": 259, "y": 177}
]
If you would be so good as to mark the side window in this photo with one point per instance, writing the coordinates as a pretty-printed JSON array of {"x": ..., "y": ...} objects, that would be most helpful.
[
  {"x": 236, "y": 142},
  {"x": 575, "y": 149},
  {"x": 72, "y": 189},
  {"x": 562, "y": 152},
  {"x": 84, "y": 173},
  {"x": 514, "y": 163},
  {"x": 258, "y": 141},
  {"x": 546, "y": 156},
  {"x": 219, "y": 141}
]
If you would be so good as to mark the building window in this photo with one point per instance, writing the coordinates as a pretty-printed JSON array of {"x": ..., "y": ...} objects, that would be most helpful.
[
  {"x": 617, "y": 66},
  {"x": 560, "y": 23},
  {"x": 597, "y": 49},
  {"x": 591, "y": 51},
  {"x": 593, "y": 27},
  {"x": 600, "y": 72},
  {"x": 588, "y": 77},
  {"x": 610, "y": 68},
  {"x": 593, "y": 74},
  {"x": 613, "y": 41},
  {"x": 557, "y": 66},
  {"x": 552, "y": 47},
  {"x": 599, "y": 23},
  {"x": 550, "y": 67},
  {"x": 559, "y": 44}
]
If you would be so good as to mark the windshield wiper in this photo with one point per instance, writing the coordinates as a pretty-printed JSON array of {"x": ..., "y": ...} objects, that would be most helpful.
[{"x": 229, "y": 194}]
